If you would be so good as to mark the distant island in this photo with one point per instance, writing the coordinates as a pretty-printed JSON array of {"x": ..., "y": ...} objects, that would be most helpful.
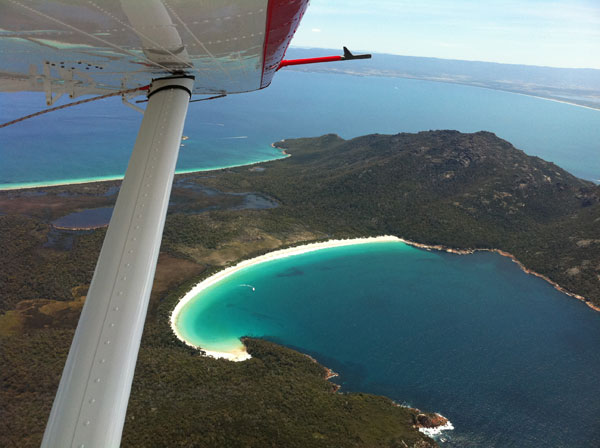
[
  {"x": 570, "y": 85},
  {"x": 446, "y": 189}
]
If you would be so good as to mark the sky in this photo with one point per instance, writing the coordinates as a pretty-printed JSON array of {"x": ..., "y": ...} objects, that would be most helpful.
[{"x": 557, "y": 33}]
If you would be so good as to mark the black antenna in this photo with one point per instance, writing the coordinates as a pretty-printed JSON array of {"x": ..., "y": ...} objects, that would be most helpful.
[{"x": 349, "y": 56}]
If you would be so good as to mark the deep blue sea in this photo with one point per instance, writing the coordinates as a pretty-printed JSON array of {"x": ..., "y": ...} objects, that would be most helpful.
[
  {"x": 94, "y": 141},
  {"x": 511, "y": 361}
]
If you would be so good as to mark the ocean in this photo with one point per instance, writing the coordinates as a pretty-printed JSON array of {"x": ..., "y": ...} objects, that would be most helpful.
[
  {"x": 510, "y": 360},
  {"x": 94, "y": 141}
]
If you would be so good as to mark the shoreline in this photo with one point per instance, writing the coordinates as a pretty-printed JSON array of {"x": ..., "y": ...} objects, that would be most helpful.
[
  {"x": 59, "y": 183},
  {"x": 437, "y": 431},
  {"x": 452, "y": 81},
  {"x": 514, "y": 260},
  {"x": 65, "y": 183},
  {"x": 79, "y": 229},
  {"x": 556, "y": 100},
  {"x": 515, "y": 92},
  {"x": 240, "y": 353},
  {"x": 273, "y": 145}
]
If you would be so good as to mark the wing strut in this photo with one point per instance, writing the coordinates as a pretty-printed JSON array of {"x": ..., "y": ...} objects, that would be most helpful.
[{"x": 90, "y": 405}]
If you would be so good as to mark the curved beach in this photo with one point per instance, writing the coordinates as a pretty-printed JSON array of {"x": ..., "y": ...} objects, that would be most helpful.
[
  {"x": 240, "y": 354},
  {"x": 66, "y": 182}
]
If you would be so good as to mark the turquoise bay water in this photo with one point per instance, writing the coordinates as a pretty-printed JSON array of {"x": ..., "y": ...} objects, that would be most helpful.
[
  {"x": 94, "y": 141},
  {"x": 510, "y": 360}
]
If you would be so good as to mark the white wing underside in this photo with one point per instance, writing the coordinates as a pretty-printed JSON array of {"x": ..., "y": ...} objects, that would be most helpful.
[{"x": 89, "y": 47}]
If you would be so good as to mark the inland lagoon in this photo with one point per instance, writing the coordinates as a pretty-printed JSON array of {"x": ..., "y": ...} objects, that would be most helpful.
[{"x": 510, "y": 360}]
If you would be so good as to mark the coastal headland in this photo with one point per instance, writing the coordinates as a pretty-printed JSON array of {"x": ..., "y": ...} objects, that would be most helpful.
[{"x": 439, "y": 190}]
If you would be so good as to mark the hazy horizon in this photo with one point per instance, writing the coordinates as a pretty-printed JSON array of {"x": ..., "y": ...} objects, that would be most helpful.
[
  {"x": 544, "y": 33},
  {"x": 336, "y": 51}
]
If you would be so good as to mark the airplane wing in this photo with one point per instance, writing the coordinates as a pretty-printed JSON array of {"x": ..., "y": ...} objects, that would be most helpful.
[
  {"x": 177, "y": 48},
  {"x": 79, "y": 47}
]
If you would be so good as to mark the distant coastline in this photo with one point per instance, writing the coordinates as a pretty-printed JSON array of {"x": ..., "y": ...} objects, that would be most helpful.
[
  {"x": 550, "y": 99},
  {"x": 574, "y": 86},
  {"x": 515, "y": 92},
  {"x": 240, "y": 353},
  {"x": 459, "y": 83}
]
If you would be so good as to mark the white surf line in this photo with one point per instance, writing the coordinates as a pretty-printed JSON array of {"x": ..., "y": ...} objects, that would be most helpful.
[
  {"x": 63, "y": 183},
  {"x": 59, "y": 183},
  {"x": 554, "y": 100},
  {"x": 434, "y": 432},
  {"x": 240, "y": 354}
]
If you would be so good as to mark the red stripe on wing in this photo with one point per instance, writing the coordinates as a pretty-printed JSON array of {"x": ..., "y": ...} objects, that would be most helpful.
[{"x": 283, "y": 18}]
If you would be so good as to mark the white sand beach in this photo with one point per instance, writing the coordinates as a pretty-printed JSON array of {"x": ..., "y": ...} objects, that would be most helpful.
[
  {"x": 240, "y": 354},
  {"x": 63, "y": 183}
]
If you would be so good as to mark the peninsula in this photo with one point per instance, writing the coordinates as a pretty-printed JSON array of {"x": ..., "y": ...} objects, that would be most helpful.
[{"x": 441, "y": 189}]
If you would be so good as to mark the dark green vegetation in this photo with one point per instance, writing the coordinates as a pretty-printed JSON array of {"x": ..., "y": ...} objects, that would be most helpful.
[
  {"x": 278, "y": 398},
  {"x": 459, "y": 190}
]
